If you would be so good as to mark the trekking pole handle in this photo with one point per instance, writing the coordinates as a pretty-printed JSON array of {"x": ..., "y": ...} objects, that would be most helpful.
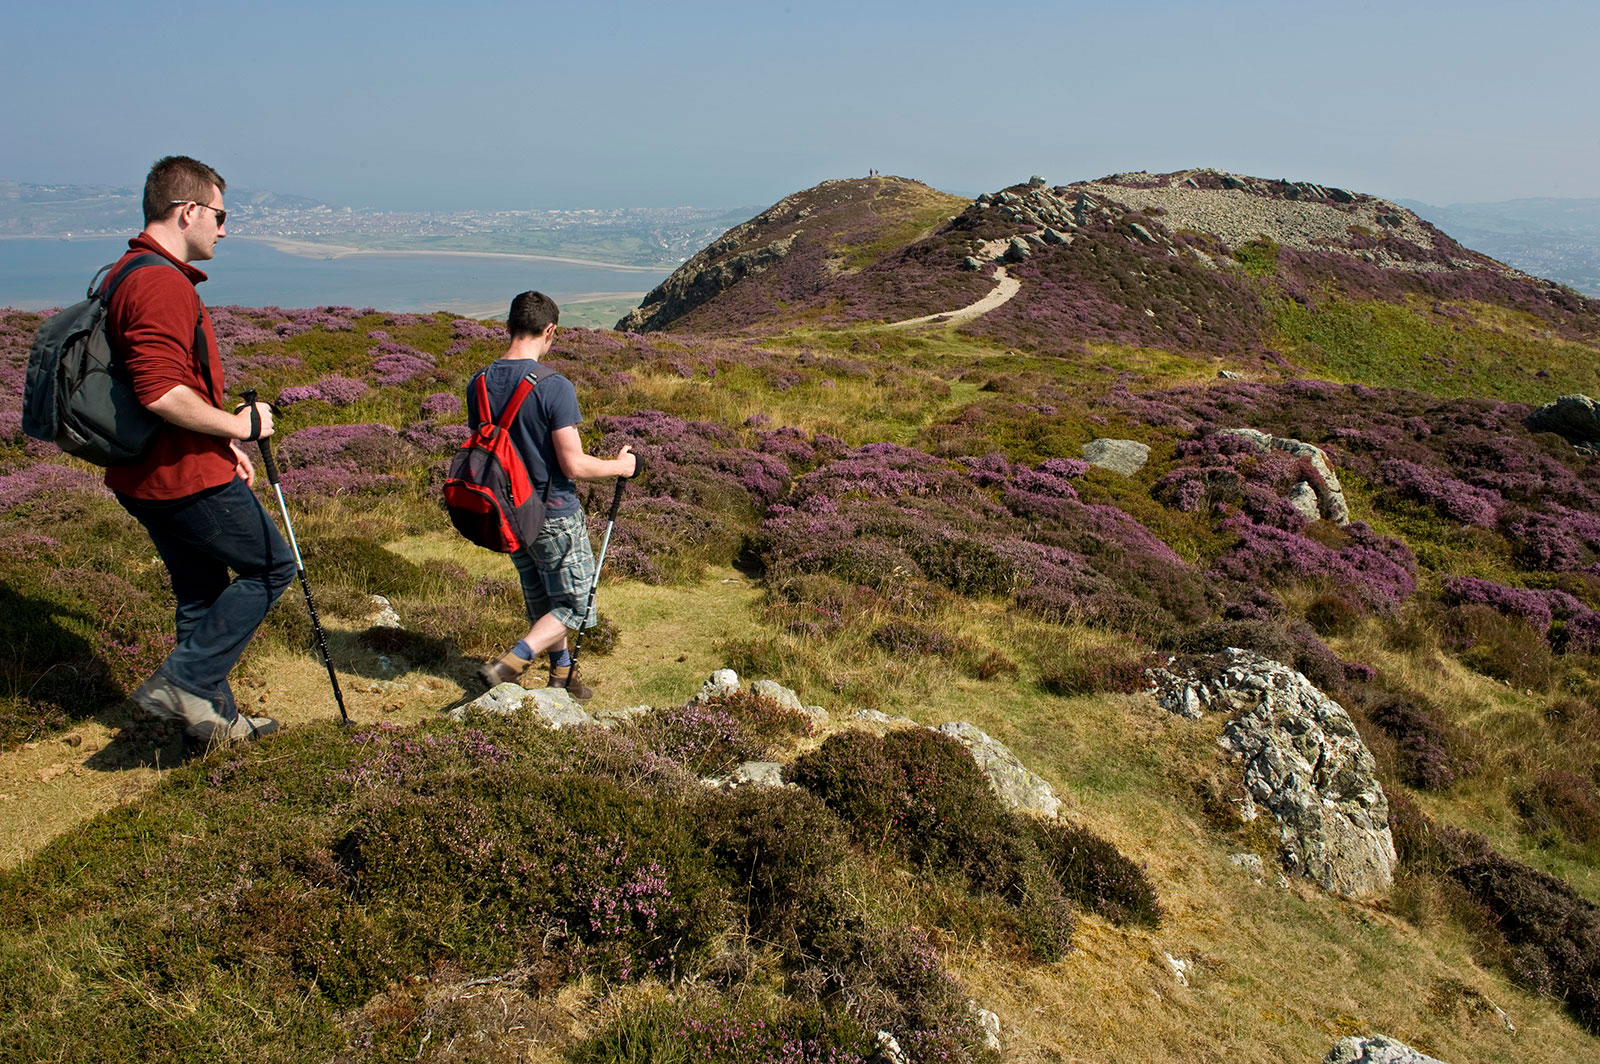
[
  {"x": 616, "y": 496},
  {"x": 265, "y": 443}
]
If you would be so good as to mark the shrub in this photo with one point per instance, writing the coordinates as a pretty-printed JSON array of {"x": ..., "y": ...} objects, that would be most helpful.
[
  {"x": 712, "y": 737},
  {"x": 1499, "y": 646},
  {"x": 1563, "y": 801},
  {"x": 1426, "y": 747},
  {"x": 1554, "y": 931},
  {"x": 918, "y": 794},
  {"x": 1334, "y": 613},
  {"x": 1094, "y": 873},
  {"x": 1095, "y": 669},
  {"x": 779, "y": 847}
]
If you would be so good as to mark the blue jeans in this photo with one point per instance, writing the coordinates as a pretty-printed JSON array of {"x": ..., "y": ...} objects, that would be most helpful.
[{"x": 200, "y": 537}]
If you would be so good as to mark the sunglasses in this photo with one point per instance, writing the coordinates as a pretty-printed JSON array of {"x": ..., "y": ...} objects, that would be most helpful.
[{"x": 221, "y": 213}]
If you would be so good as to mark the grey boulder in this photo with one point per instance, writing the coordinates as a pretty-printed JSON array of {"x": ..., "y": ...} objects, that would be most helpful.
[{"x": 1126, "y": 457}]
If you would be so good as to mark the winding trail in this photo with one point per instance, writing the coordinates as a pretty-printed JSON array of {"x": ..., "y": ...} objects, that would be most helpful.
[{"x": 1002, "y": 293}]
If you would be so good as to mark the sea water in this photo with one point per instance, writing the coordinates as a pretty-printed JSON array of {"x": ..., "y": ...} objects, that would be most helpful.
[{"x": 51, "y": 272}]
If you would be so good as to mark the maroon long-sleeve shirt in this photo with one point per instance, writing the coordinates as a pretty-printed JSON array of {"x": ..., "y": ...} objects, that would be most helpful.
[{"x": 152, "y": 322}]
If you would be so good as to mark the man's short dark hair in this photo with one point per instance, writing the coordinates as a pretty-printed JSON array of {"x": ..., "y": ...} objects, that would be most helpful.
[
  {"x": 531, "y": 314},
  {"x": 178, "y": 179}
]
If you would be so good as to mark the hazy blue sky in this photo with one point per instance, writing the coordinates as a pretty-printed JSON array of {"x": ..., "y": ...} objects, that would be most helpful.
[{"x": 623, "y": 103}]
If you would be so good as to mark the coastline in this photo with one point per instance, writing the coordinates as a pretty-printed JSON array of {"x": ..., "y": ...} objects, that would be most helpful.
[{"x": 308, "y": 249}]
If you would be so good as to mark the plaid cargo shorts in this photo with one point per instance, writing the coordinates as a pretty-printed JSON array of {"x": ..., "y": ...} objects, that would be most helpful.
[{"x": 557, "y": 570}]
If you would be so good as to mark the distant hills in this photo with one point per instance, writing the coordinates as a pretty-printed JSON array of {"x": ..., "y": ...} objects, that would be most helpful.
[
  {"x": 658, "y": 237},
  {"x": 1554, "y": 238}
]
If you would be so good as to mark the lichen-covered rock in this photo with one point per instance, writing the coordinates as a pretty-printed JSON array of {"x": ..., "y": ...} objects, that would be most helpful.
[
  {"x": 1014, "y": 782},
  {"x": 616, "y": 717},
  {"x": 720, "y": 683},
  {"x": 1017, "y": 250},
  {"x": 750, "y": 774},
  {"x": 1375, "y": 1049},
  {"x": 551, "y": 705},
  {"x": 1331, "y": 503},
  {"x": 1303, "y": 761},
  {"x": 1126, "y": 457}
]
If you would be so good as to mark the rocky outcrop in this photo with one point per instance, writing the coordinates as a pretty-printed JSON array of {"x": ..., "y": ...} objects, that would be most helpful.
[
  {"x": 1328, "y": 497},
  {"x": 1573, "y": 417},
  {"x": 703, "y": 278},
  {"x": 552, "y": 705},
  {"x": 1120, "y": 456},
  {"x": 1375, "y": 1049},
  {"x": 1016, "y": 785},
  {"x": 1302, "y": 760}
]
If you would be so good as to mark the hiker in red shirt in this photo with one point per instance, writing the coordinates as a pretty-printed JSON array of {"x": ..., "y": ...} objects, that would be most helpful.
[{"x": 191, "y": 489}]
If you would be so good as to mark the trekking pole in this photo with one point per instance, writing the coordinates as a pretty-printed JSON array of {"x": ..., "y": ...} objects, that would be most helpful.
[
  {"x": 305, "y": 585},
  {"x": 605, "y": 541}
]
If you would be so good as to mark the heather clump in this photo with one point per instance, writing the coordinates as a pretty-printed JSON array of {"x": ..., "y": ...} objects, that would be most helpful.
[
  {"x": 698, "y": 490},
  {"x": 1096, "y": 875},
  {"x": 1506, "y": 648},
  {"x": 1081, "y": 671},
  {"x": 712, "y": 737},
  {"x": 883, "y": 515},
  {"x": 1561, "y": 801},
  {"x": 918, "y": 796},
  {"x": 1429, "y": 751}
]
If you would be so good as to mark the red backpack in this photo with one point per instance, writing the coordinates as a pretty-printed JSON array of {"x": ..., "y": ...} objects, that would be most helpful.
[{"x": 488, "y": 491}]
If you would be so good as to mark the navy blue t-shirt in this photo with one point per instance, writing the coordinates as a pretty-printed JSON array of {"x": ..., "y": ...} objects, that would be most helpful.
[{"x": 553, "y": 405}]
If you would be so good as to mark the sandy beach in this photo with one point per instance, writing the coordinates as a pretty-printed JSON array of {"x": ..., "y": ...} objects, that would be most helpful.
[{"x": 310, "y": 250}]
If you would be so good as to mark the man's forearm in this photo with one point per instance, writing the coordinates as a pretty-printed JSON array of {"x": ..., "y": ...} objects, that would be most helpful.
[{"x": 183, "y": 407}]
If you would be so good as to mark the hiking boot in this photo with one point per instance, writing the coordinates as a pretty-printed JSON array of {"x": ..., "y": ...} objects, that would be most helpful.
[
  {"x": 566, "y": 677},
  {"x": 165, "y": 700},
  {"x": 504, "y": 669},
  {"x": 242, "y": 729}
]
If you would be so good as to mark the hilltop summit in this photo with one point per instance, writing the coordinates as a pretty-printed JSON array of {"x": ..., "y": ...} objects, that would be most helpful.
[{"x": 1166, "y": 260}]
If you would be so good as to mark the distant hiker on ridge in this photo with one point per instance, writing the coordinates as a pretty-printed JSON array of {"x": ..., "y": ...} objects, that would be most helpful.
[
  {"x": 191, "y": 489},
  {"x": 557, "y": 569}
]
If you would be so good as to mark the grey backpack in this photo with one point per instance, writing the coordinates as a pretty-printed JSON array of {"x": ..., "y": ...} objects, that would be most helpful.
[{"x": 78, "y": 394}]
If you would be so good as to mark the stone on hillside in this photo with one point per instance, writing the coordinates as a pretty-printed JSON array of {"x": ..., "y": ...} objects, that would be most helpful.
[
  {"x": 1331, "y": 505},
  {"x": 778, "y": 693},
  {"x": 720, "y": 683},
  {"x": 1574, "y": 417},
  {"x": 1034, "y": 238},
  {"x": 888, "y": 1051},
  {"x": 1303, "y": 497},
  {"x": 612, "y": 718},
  {"x": 1339, "y": 195},
  {"x": 1052, "y": 235},
  {"x": 984, "y": 198},
  {"x": 551, "y": 705},
  {"x": 1376, "y": 1049},
  {"x": 881, "y": 720},
  {"x": 381, "y": 614},
  {"x": 1303, "y": 761},
  {"x": 1141, "y": 232},
  {"x": 1250, "y": 863},
  {"x": 971, "y": 263},
  {"x": 1120, "y": 456},
  {"x": 1017, "y": 250},
  {"x": 749, "y": 774},
  {"x": 1016, "y": 785},
  {"x": 1229, "y": 375},
  {"x": 1037, "y": 182}
]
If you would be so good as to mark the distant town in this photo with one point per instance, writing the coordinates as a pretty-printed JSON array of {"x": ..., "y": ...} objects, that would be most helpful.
[{"x": 657, "y": 237}]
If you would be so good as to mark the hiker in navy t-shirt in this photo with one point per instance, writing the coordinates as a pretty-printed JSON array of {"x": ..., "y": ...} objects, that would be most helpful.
[{"x": 558, "y": 568}]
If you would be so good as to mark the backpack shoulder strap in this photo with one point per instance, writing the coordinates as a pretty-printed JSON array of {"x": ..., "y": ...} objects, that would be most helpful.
[
  {"x": 148, "y": 258},
  {"x": 524, "y": 389}
]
